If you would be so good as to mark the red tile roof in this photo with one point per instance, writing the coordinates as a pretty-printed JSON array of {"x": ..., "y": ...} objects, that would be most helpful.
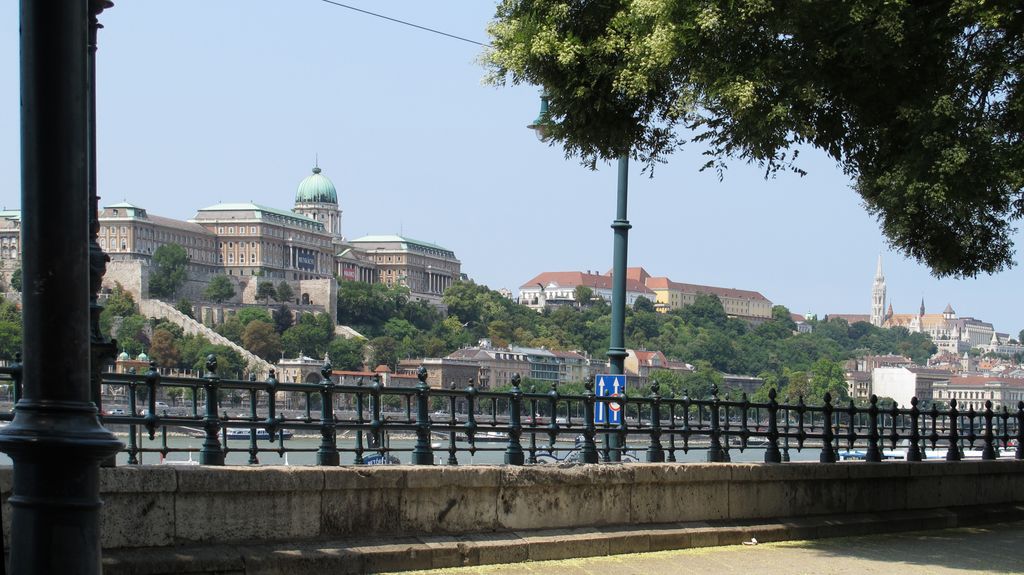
[
  {"x": 981, "y": 380},
  {"x": 665, "y": 283},
  {"x": 573, "y": 279},
  {"x": 851, "y": 318}
]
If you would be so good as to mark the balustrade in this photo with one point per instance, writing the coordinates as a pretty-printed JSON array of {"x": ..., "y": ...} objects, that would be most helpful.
[{"x": 360, "y": 421}]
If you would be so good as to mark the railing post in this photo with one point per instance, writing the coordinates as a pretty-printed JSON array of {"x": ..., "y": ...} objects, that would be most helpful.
[
  {"x": 452, "y": 458},
  {"x": 1019, "y": 454},
  {"x": 358, "y": 456},
  {"x": 132, "y": 429},
  {"x": 772, "y": 453},
  {"x": 271, "y": 421},
  {"x": 873, "y": 454},
  {"x": 828, "y": 455},
  {"x": 470, "y": 424},
  {"x": 253, "y": 447},
  {"x": 376, "y": 435},
  {"x": 152, "y": 381},
  {"x": 327, "y": 455},
  {"x": 16, "y": 372},
  {"x": 715, "y": 450},
  {"x": 532, "y": 451},
  {"x": 914, "y": 449},
  {"x": 422, "y": 453},
  {"x": 553, "y": 424},
  {"x": 988, "y": 452},
  {"x": 514, "y": 452},
  {"x": 655, "y": 454},
  {"x": 953, "y": 453},
  {"x": 589, "y": 452},
  {"x": 211, "y": 453},
  {"x": 671, "y": 456}
]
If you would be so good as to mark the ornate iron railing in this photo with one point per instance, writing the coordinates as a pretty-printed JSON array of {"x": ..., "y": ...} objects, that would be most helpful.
[{"x": 444, "y": 424}]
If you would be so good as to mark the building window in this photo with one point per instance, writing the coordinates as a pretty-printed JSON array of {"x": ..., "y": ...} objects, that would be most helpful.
[{"x": 252, "y": 229}]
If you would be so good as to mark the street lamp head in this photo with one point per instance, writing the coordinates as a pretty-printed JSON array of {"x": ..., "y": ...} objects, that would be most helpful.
[{"x": 541, "y": 124}]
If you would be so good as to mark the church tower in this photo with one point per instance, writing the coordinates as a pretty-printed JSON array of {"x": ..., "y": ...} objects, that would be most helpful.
[{"x": 878, "y": 296}]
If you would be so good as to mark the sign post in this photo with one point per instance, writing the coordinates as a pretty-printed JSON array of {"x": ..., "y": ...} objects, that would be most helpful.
[{"x": 609, "y": 412}]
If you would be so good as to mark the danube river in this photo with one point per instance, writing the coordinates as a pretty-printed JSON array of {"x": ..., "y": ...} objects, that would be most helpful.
[{"x": 301, "y": 450}]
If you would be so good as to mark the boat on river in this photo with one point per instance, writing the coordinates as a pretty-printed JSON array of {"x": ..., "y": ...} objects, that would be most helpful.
[{"x": 246, "y": 433}]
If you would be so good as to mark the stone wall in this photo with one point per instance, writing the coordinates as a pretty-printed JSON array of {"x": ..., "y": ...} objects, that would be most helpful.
[{"x": 160, "y": 506}]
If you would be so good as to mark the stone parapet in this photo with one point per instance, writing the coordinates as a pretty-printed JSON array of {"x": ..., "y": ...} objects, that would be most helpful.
[{"x": 160, "y": 506}]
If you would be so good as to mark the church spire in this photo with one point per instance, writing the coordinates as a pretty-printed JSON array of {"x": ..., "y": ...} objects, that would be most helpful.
[{"x": 878, "y": 296}]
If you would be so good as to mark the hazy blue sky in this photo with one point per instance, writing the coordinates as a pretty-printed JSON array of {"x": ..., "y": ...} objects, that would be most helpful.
[{"x": 230, "y": 100}]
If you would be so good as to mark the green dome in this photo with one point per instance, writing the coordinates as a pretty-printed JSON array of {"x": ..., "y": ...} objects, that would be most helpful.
[
  {"x": 142, "y": 357},
  {"x": 316, "y": 188},
  {"x": 123, "y": 356}
]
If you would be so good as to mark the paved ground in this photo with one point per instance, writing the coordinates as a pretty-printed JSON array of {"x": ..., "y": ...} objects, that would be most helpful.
[{"x": 991, "y": 549}]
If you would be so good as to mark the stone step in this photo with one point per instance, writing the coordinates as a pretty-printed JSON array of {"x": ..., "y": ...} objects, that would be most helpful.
[{"x": 377, "y": 555}]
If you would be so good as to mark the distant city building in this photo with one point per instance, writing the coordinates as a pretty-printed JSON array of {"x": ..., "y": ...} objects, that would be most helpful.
[
  {"x": 972, "y": 391},
  {"x": 558, "y": 288},
  {"x": 426, "y": 269},
  {"x": 904, "y": 383},
  {"x": 129, "y": 232},
  {"x": 497, "y": 365}
]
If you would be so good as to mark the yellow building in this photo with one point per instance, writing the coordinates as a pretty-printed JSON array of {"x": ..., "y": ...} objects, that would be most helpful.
[
  {"x": 129, "y": 232},
  {"x": 671, "y": 295}
]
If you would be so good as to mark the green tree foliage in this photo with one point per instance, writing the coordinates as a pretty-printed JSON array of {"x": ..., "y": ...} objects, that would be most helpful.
[
  {"x": 266, "y": 291},
  {"x": 260, "y": 338},
  {"x": 347, "y": 354},
  {"x": 163, "y": 348},
  {"x": 185, "y": 307},
  {"x": 229, "y": 363},
  {"x": 384, "y": 351},
  {"x": 697, "y": 384},
  {"x": 169, "y": 271},
  {"x": 582, "y": 295},
  {"x": 921, "y": 102},
  {"x": 220, "y": 289},
  {"x": 283, "y": 318},
  {"x": 10, "y": 329},
  {"x": 285, "y": 292},
  {"x": 131, "y": 334},
  {"x": 247, "y": 315},
  {"x": 643, "y": 304},
  {"x": 16, "y": 280},
  {"x": 309, "y": 336}
]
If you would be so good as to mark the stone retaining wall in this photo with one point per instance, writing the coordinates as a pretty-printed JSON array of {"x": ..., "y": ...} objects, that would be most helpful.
[{"x": 152, "y": 506}]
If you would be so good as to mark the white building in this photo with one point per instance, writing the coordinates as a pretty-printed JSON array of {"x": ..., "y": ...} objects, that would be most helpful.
[{"x": 904, "y": 383}]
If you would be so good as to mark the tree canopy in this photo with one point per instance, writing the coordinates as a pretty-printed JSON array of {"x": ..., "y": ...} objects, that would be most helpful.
[
  {"x": 921, "y": 102},
  {"x": 220, "y": 289},
  {"x": 170, "y": 270}
]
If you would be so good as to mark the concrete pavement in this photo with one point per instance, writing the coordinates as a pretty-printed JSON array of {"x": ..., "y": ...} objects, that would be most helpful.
[{"x": 997, "y": 548}]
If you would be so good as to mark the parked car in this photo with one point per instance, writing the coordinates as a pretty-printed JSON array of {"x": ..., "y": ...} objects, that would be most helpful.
[{"x": 117, "y": 411}]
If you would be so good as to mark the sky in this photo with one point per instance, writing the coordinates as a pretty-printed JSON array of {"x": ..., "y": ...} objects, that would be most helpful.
[{"x": 203, "y": 101}]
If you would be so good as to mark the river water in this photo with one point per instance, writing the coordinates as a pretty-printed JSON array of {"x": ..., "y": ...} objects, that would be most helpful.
[{"x": 302, "y": 451}]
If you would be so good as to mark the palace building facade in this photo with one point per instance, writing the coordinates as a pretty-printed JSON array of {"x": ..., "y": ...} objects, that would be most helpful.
[{"x": 247, "y": 239}]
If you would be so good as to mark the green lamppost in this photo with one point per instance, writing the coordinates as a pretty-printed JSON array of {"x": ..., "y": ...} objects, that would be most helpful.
[{"x": 617, "y": 344}]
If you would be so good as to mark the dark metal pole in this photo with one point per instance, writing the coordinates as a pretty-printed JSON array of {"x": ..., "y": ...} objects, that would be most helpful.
[
  {"x": 617, "y": 346},
  {"x": 103, "y": 350},
  {"x": 55, "y": 440}
]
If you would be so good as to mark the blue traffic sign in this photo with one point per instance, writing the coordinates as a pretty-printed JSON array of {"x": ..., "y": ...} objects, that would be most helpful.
[{"x": 609, "y": 386}]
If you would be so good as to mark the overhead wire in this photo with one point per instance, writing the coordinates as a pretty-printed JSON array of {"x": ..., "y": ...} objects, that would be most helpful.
[{"x": 405, "y": 23}]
